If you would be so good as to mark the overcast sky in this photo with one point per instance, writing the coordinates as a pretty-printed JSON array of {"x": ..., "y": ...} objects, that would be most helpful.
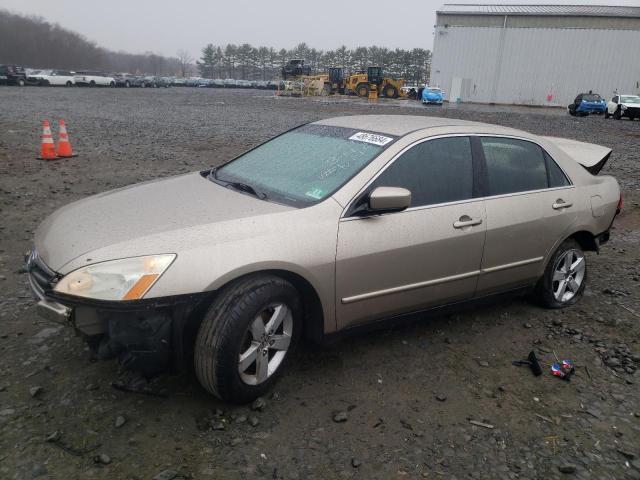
[{"x": 164, "y": 27}]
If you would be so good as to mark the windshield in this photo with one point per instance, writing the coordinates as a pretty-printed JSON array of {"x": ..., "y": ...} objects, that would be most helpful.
[
  {"x": 629, "y": 99},
  {"x": 305, "y": 165},
  {"x": 591, "y": 97},
  {"x": 434, "y": 90}
]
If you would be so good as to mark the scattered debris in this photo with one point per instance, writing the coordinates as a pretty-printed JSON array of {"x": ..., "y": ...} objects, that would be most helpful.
[
  {"x": 567, "y": 468},
  {"x": 481, "y": 424},
  {"x": 120, "y": 421},
  {"x": 542, "y": 417},
  {"x": 340, "y": 417},
  {"x": 166, "y": 475},
  {"x": 35, "y": 391},
  {"x": 258, "y": 404}
]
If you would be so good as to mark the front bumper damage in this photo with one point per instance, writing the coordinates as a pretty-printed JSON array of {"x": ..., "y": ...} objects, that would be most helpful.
[{"x": 147, "y": 336}]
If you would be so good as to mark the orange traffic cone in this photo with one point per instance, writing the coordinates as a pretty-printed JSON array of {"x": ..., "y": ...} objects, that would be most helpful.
[
  {"x": 64, "y": 146},
  {"x": 47, "y": 149}
]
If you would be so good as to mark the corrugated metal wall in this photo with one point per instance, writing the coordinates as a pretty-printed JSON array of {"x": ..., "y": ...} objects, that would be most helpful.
[{"x": 535, "y": 66}]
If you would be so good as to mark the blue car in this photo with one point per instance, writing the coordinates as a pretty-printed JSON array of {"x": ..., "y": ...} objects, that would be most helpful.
[
  {"x": 432, "y": 95},
  {"x": 587, "y": 103}
]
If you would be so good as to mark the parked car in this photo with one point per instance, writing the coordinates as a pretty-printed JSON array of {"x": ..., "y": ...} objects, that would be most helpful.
[
  {"x": 125, "y": 80},
  {"x": 623, "y": 106},
  {"x": 192, "y": 81},
  {"x": 586, "y": 103},
  {"x": 12, "y": 75},
  {"x": 217, "y": 83},
  {"x": 432, "y": 96},
  {"x": 332, "y": 226},
  {"x": 94, "y": 79},
  {"x": 45, "y": 78}
]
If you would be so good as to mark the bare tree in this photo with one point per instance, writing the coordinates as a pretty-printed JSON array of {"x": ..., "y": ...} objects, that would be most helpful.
[{"x": 186, "y": 62}]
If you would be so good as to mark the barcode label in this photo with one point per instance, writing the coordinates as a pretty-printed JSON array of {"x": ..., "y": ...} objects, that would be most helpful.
[{"x": 371, "y": 138}]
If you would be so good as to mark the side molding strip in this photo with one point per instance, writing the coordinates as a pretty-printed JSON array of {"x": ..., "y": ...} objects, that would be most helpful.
[{"x": 437, "y": 281}]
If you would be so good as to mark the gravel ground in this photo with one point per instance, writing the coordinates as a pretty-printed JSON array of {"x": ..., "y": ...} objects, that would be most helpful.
[{"x": 399, "y": 403}]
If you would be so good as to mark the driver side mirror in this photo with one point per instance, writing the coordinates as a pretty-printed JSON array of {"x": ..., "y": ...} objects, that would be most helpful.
[{"x": 389, "y": 199}]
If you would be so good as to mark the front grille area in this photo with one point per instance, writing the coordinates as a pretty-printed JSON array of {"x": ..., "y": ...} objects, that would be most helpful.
[
  {"x": 40, "y": 275},
  {"x": 635, "y": 111}
]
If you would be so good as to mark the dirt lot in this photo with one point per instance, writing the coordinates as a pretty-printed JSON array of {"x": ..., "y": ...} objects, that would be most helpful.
[{"x": 409, "y": 394}]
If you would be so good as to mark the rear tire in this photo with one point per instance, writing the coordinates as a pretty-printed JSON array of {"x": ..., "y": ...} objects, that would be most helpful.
[
  {"x": 565, "y": 277},
  {"x": 68, "y": 84},
  {"x": 237, "y": 325},
  {"x": 21, "y": 82}
]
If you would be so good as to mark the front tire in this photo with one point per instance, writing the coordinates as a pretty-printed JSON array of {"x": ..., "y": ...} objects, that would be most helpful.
[
  {"x": 606, "y": 113},
  {"x": 565, "y": 277},
  {"x": 390, "y": 91},
  {"x": 247, "y": 336},
  {"x": 362, "y": 90},
  {"x": 617, "y": 115}
]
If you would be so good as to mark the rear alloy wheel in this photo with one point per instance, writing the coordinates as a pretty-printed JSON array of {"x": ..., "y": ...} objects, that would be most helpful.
[
  {"x": 565, "y": 277},
  {"x": 21, "y": 82},
  {"x": 247, "y": 336}
]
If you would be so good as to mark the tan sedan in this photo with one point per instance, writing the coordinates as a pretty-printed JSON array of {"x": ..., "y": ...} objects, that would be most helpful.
[{"x": 331, "y": 226}]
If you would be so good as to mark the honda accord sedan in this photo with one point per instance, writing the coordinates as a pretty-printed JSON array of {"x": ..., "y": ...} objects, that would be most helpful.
[{"x": 332, "y": 226}]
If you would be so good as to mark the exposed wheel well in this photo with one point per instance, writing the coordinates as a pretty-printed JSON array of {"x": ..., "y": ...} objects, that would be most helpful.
[{"x": 586, "y": 240}]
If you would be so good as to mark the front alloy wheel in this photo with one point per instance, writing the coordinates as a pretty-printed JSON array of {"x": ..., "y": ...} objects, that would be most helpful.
[
  {"x": 247, "y": 337},
  {"x": 265, "y": 344}
]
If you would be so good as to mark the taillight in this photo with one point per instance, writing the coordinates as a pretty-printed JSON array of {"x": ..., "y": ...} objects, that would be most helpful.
[{"x": 620, "y": 204}]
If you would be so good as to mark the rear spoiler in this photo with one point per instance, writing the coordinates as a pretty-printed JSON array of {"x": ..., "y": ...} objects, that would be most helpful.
[{"x": 591, "y": 157}]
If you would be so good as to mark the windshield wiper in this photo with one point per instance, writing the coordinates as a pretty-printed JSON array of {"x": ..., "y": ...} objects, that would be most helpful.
[{"x": 243, "y": 187}]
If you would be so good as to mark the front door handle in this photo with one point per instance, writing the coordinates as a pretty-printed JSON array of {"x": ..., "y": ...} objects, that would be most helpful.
[
  {"x": 560, "y": 204},
  {"x": 466, "y": 221}
]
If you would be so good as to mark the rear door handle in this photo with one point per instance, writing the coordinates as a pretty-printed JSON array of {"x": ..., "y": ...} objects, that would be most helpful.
[
  {"x": 466, "y": 221},
  {"x": 560, "y": 204}
]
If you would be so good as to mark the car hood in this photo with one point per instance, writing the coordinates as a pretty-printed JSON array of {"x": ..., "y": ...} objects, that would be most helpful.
[
  {"x": 631, "y": 105},
  {"x": 141, "y": 210}
]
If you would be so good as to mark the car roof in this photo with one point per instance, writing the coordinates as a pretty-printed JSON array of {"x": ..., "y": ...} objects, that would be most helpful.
[{"x": 397, "y": 125}]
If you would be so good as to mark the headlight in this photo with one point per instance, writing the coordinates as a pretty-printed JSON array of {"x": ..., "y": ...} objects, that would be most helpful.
[
  {"x": 125, "y": 279},
  {"x": 623, "y": 107}
]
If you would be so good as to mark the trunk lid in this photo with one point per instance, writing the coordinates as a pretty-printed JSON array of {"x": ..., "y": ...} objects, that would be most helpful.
[{"x": 592, "y": 157}]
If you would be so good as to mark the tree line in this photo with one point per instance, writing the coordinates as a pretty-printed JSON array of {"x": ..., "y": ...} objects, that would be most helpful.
[
  {"x": 247, "y": 62},
  {"x": 32, "y": 42}
]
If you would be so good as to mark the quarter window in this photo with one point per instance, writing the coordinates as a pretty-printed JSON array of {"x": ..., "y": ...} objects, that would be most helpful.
[
  {"x": 435, "y": 171},
  {"x": 557, "y": 178},
  {"x": 513, "y": 165}
]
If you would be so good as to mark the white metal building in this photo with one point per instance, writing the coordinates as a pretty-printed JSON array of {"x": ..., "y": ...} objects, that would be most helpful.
[{"x": 535, "y": 54}]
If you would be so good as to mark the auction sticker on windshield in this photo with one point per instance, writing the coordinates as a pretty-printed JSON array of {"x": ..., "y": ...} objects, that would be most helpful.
[{"x": 371, "y": 138}]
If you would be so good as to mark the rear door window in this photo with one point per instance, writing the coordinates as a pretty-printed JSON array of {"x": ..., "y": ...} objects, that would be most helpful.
[
  {"x": 435, "y": 171},
  {"x": 513, "y": 165}
]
